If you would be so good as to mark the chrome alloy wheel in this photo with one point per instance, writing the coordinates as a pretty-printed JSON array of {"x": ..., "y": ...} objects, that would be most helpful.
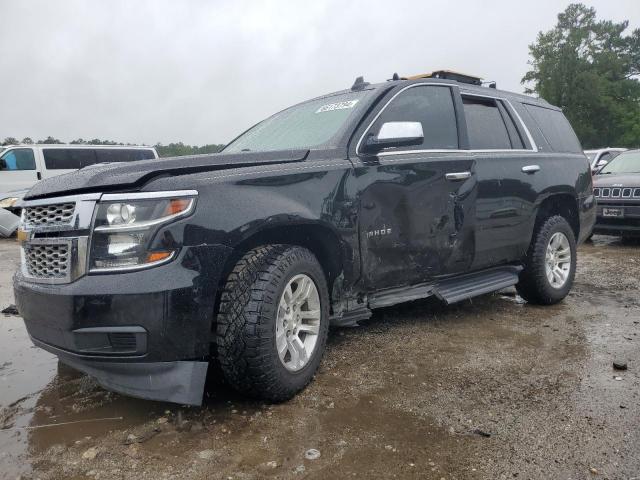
[
  {"x": 298, "y": 322},
  {"x": 558, "y": 260}
]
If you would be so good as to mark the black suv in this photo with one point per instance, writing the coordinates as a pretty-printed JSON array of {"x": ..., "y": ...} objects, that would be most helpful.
[
  {"x": 617, "y": 190},
  {"x": 141, "y": 274}
]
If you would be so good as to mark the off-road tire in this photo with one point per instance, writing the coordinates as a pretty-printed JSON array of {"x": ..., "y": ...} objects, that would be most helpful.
[
  {"x": 245, "y": 330},
  {"x": 534, "y": 286}
]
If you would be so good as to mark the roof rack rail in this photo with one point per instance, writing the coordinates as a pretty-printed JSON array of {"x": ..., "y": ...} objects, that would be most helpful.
[{"x": 449, "y": 75}]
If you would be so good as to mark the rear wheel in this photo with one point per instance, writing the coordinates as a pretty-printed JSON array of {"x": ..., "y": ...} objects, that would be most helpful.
[
  {"x": 551, "y": 263},
  {"x": 273, "y": 322}
]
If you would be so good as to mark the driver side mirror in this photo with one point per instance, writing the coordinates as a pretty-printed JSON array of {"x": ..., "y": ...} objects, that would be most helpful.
[{"x": 394, "y": 134}]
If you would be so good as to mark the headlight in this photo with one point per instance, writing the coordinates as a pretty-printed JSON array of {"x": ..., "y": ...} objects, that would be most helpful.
[
  {"x": 8, "y": 202},
  {"x": 124, "y": 226}
]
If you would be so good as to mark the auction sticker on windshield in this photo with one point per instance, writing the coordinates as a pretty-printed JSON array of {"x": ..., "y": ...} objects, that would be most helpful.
[{"x": 337, "y": 106}]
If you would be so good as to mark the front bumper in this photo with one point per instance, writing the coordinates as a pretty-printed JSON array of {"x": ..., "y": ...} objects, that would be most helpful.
[
  {"x": 179, "y": 382},
  {"x": 145, "y": 333},
  {"x": 628, "y": 224}
]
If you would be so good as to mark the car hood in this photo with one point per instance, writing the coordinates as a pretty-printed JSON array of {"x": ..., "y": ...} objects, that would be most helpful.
[
  {"x": 14, "y": 193},
  {"x": 620, "y": 180},
  {"x": 118, "y": 176}
]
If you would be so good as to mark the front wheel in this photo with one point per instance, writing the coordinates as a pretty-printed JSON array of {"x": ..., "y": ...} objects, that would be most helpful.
[
  {"x": 273, "y": 322},
  {"x": 550, "y": 265}
]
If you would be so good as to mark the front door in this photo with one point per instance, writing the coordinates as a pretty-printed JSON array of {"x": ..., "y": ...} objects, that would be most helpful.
[
  {"x": 17, "y": 169},
  {"x": 417, "y": 203}
]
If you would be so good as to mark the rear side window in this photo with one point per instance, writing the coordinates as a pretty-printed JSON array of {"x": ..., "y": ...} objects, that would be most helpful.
[
  {"x": 76, "y": 158},
  {"x": 18, "y": 159},
  {"x": 432, "y": 106},
  {"x": 555, "y": 128},
  {"x": 123, "y": 155},
  {"x": 485, "y": 125},
  {"x": 68, "y": 159}
]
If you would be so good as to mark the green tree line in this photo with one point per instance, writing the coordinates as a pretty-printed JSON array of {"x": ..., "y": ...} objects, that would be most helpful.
[
  {"x": 590, "y": 68},
  {"x": 587, "y": 66},
  {"x": 170, "y": 150}
]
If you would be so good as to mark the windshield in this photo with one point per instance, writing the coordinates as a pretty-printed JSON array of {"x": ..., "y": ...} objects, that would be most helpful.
[
  {"x": 627, "y": 162},
  {"x": 306, "y": 125}
]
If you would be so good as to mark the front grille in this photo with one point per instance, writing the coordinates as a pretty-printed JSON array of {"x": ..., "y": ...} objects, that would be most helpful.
[
  {"x": 49, "y": 215},
  {"x": 608, "y": 192},
  {"x": 47, "y": 261}
]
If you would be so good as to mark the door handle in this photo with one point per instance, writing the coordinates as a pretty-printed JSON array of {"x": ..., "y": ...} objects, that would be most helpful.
[
  {"x": 531, "y": 168},
  {"x": 457, "y": 176}
]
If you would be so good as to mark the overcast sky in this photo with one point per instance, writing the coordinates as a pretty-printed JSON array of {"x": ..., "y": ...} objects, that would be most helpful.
[{"x": 203, "y": 71}]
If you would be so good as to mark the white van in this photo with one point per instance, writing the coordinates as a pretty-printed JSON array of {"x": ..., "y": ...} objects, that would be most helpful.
[{"x": 21, "y": 166}]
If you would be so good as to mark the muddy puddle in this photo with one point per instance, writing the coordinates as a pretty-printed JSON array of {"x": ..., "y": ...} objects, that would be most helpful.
[{"x": 490, "y": 388}]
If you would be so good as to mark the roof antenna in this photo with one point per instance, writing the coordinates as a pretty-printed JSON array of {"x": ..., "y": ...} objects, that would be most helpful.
[{"x": 359, "y": 84}]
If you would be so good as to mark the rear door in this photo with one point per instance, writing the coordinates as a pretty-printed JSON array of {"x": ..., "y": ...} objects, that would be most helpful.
[
  {"x": 417, "y": 203},
  {"x": 17, "y": 169},
  {"x": 505, "y": 199}
]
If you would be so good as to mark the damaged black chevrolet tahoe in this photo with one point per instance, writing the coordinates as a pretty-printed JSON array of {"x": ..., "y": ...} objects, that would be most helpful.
[{"x": 144, "y": 274}]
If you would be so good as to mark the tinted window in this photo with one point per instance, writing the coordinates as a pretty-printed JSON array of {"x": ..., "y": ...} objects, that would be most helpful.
[
  {"x": 18, "y": 159},
  {"x": 432, "y": 106},
  {"x": 605, "y": 156},
  {"x": 555, "y": 128},
  {"x": 485, "y": 125},
  {"x": 68, "y": 159},
  {"x": 514, "y": 133},
  {"x": 123, "y": 155},
  {"x": 75, "y": 158}
]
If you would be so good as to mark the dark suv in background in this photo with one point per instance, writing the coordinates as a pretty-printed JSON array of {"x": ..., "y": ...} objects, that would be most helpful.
[
  {"x": 617, "y": 190},
  {"x": 141, "y": 274}
]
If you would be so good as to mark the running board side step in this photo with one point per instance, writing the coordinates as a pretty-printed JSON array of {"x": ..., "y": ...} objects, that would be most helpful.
[
  {"x": 474, "y": 284},
  {"x": 450, "y": 290}
]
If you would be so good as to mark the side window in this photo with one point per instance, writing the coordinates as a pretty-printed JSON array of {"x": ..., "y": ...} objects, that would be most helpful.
[
  {"x": 485, "y": 125},
  {"x": 555, "y": 128},
  {"x": 514, "y": 134},
  {"x": 606, "y": 156},
  {"x": 123, "y": 155},
  {"x": 18, "y": 159},
  {"x": 68, "y": 159},
  {"x": 432, "y": 106},
  {"x": 145, "y": 155}
]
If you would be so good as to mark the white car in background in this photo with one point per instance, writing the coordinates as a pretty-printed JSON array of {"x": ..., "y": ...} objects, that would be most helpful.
[
  {"x": 22, "y": 166},
  {"x": 600, "y": 157}
]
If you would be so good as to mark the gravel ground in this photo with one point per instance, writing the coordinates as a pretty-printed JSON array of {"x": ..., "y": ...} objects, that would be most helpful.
[{"x": 487, "y": 389}]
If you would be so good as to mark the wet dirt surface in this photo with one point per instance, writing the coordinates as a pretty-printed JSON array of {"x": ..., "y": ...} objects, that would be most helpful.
[{"x": 486, "y": 389}]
